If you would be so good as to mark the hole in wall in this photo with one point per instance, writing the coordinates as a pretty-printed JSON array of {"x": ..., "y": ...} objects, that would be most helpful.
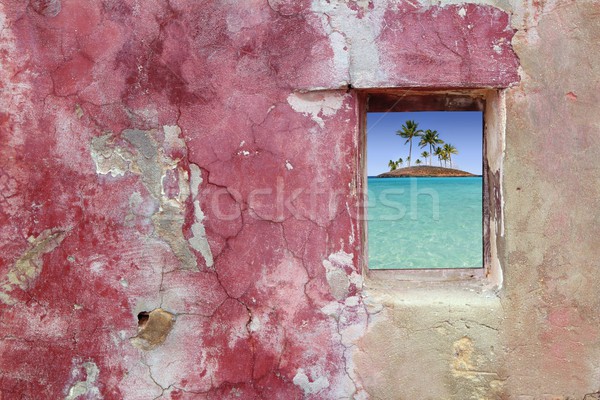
[
  {"x": 143, "y": 319},
  {"x": 153, "y": 328}
]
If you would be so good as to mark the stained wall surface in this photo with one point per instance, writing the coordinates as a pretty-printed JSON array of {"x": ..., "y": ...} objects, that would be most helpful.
[{"x": 180, "y": 201}]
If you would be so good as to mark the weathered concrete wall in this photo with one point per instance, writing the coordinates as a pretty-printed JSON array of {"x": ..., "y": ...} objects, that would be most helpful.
[{"x": 179, "y": 201}]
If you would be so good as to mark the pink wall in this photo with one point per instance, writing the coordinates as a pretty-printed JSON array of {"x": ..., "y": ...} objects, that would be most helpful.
[{"x": 201, "y": 158}]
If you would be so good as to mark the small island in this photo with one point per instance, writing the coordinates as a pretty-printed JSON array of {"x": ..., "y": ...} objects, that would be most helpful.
[{"x": 425, "y": 171}]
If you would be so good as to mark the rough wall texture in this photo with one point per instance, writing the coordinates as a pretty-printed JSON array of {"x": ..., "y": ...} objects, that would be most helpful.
[{"x": 178, "y": 201}]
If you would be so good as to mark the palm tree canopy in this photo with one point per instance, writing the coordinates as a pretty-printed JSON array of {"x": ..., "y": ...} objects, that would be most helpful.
[
  {"x": 430, "y": 138},
  {"x": 410, "y": 129},
  {"x": 450, "y": 149}
]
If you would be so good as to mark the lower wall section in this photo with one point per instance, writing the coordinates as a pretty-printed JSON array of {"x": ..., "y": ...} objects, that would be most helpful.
[{"x": 432, "y": 343}]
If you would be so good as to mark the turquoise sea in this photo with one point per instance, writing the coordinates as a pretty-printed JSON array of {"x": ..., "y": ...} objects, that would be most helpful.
[{"x": 415, "y": 223}]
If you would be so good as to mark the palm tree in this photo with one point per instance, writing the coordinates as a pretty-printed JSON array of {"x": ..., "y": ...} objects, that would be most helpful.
[
  {"x": 449, "y": 149},
  {"x": 445, "y": 157},
  {"x": 399, "y": 162},
  {"x": 426, "y": 155},
  {"x": 393, "y": 165},
  {"x": 409, "y": 131},
  {"x": 418, "y": 162},
  {"x": 439, "y": 152},
  {"x": 432, "y": 139}
]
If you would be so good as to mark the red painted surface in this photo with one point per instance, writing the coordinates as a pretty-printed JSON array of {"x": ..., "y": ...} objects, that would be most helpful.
[
  {"x": 264, "y": 313},
  {"x": 454, "y": 46}
]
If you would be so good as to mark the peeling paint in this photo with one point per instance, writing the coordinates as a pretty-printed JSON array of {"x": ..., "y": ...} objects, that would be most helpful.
[
  {"x": 143, "y": 153},
  {"x": 124, "y": 136},
  {"x": 86, "y": 388},
  {"x": 198, "y": 241},
  {"x": 352, "y": 36},
  {"x": 316, "y": 105},
  {"x": 28, "y": 267},
  {"x": 108, "y": 158}
]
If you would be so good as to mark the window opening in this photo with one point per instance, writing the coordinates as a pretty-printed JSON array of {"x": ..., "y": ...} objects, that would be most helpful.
[{"x": 425, "y": 181}]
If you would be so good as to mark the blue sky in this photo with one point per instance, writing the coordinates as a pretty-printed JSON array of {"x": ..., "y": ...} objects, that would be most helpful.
[{"x": 463, "y": 129}]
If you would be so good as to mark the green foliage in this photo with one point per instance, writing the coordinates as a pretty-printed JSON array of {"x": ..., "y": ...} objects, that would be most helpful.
[
  {"x": 430, "y": 138},
  {"x": 409, "y": 131},
  {"x": 437, "y": 147},
  {"x": 449, "y": 150}
]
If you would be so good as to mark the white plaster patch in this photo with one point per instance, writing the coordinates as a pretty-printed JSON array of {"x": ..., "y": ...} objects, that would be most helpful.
[
  {"x": 331, "y": 309},
  {"x": 353, "y": 39},
  {"x": 301, "y": 380},
  {"x": 87, "y": 387},
  {"x": 172, "y": 136},
  {"x": 341, "y": 54},
  {"x": 462, "y": 12},
  {"x": 97, "y": 266},
  {"x": 356, "y": 279},
  {"x": 316, "y": 105},
  {"x": 254, "y": 324},
  {"x": 195, "y": 180},
  {"x": 288, "y": 165},
  {"x": 199, "y": 241},
  {"x": 341, "y": 257},
  {"x": 497, "y": 46},
  {"x": 337, "y": 278},
  {"x": 352, "y": 301}
]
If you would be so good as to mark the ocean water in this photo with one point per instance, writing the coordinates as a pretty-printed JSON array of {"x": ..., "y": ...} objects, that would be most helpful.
[{"x": 415, "y": 223}]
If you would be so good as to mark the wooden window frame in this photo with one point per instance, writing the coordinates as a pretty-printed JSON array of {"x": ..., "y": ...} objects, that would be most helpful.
[{"x": 491, "y": 103}]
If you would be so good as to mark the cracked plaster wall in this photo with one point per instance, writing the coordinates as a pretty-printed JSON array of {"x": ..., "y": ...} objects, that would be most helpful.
[{"x": 200, "y": 161}]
